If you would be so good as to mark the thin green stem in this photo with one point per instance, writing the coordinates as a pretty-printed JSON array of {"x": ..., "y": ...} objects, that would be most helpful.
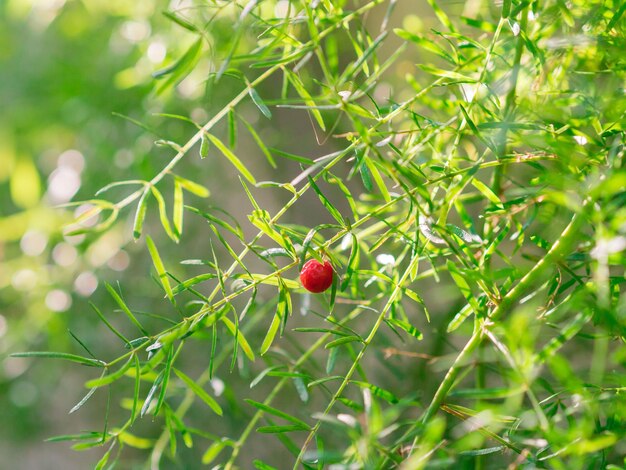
[
  {"x": 301, "y": 360},
  {"x": 392, "y": 298},
  {"x": 559, "y": 250},
  {"x": 481, "y": 374},
  {"x": 183, "y": 408},
  {"x": 509, "y": 104},
  {"x": 338, "y": 236},
  {"x": 234, "y": 102},
  {"x": 190, "y": 397}
]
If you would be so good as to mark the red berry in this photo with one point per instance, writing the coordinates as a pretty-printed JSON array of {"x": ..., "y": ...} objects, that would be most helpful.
[{"x": 315, "y": 276}]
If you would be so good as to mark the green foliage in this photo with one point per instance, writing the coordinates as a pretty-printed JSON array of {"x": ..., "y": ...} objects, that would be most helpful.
[{"x": 469, "y": 195}]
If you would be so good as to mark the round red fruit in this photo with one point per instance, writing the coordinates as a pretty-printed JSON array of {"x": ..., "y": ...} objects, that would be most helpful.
[{"x": 315, "y": 276}]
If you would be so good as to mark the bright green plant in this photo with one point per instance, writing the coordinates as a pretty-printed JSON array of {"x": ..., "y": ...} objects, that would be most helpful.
[{"x": 469, "y": 197}]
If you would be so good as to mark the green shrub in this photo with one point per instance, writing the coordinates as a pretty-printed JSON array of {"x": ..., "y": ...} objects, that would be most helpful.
[{"x": 467, "y": 186}]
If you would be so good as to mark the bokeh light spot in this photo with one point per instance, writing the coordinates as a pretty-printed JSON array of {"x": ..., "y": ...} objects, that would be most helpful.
[
  {"x": 86, "y": 283},
  {"x": 64, "y": 254},
  {"x": 58, "y": 300},
  {"x": 63, "y": 183},
  {"x": 120, "y": 261},
  {"x": 24, "y": 280},
  {"x": 33, "y": 243}
]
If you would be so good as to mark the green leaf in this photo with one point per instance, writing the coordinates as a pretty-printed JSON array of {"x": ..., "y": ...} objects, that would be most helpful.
[
  {"x": 291, "y": 156},
  {"x": 259, "y": 103},
  {"x": 232, "y": 158},
  {"x": 262, "y": 375},
  {"x": 566, "y": 333},
  {"x": 486, "y": 26},
  {"x": 199, "y": 391},
  {"x": 361, "y": 63},
  {"x": 332, "y": 359},
  {"x": 424, "y": 43},
  {"x": 270, "y": 280},
  {"x": 281, "y": 429},
  {"x": 281, "y": 414},
  {"x": 344, "y": 340},
  {"x": 326, "y": 203},
  {"x": 140, "y": 214},
  {"x": 486, "y": 451},
  {"x": 321, "y": 330},
  {"x": 301, "y": 387},
  {"x": 459, "y": 318},
  {"x": 259, "y": 465},
  {"x": 487, "y": 192},
  {"x": 180, "y": 21},
  {"x": 457, "y": 77},
  {"x": 134, "y": 441},
  {"x": 230, "y": 250},
  {"x": 83, "y": 436},
  {"x": 284, "y": 307},
  {"x": 594, "y": 445},
  {"x": 178, "y": 209},
  {"x": 417, "y": 298},
  {"x": 441, "y": 15},
  {"x": 103, "y": 461},
  {"x": 406, "y": 326},
  {"x": 192, "y": 282},
  {"x": 366, "y": 176},
  {"x": 204, "y": 147},
  {"x": 133, "y": 413},
  {"x": 276, "y": 252},
  {"x": 151, "y": 392},
  {"x": 377, "y": 178},
  {"x": 85, "y": 398},
  {"x": 271, "y": 333},
  {"x": 314, "y": 383},
  {"x": 193, "y": 188},
  {"x": 160, "y": 268},
  {"x": 487, "y": 393},
  {"x": 463, "y": 235},
  {"x": 249, "y": 305},
  {"x": 125, "y": 308},
  {"x": 259, "y": 142},
  {"x": 353, "y": 262},
  {"x": 217, "y": 221},
  {"x": 377, "y": 391},
  {"x": 332, "y": 179},
  {"x": 306, "y": 96},
  {"x": 108, "y": 324},
  {"x": 166, "y": 378},
  {"x": 491, "y": 248},
  {"x": 475, "y": 130},
  {"x": 213, "y": 451},
  {"x": 163, "y": 214},
  {"x": 284, "y": 59},
  {"x": 179, "y": 69},
  {"x": 169, "y": 424},
  {"x": 59, "y": 355},
  {"x": 232, "y": 129},
  {"x": 616, "y": 17},
  {"x": 463, "y": 286},
  {"x": 241, "y": 340},
  {"x": 213, "y": 348},
  {"x": 110, "y": 378}
]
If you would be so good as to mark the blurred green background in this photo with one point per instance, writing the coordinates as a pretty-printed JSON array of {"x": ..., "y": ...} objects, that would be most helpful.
[{"x": 65, "y": 67}]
